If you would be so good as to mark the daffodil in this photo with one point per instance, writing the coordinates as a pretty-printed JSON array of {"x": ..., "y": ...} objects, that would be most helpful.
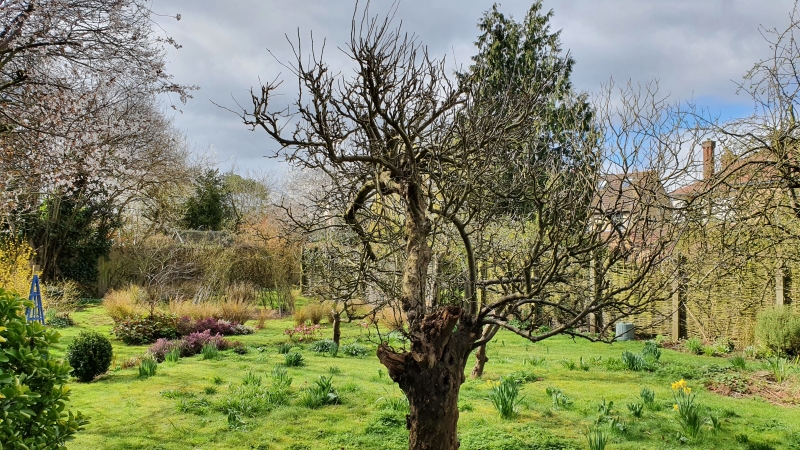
[
  {"x": 675, "y": 406},
  {"x": 679, "y": 385}
]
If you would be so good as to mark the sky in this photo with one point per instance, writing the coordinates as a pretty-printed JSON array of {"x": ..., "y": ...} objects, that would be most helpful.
[{"x": 696, "y": 50}]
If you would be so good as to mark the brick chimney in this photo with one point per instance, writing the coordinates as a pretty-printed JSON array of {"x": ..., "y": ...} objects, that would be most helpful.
[{"x": 708, "y": 159}]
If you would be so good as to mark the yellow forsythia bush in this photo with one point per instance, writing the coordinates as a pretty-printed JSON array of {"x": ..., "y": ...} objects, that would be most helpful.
[{"x": 15, "y": 267}]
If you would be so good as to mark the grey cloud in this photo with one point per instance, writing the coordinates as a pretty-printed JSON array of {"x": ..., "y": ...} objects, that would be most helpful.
[{"x": 694, "y": 48}]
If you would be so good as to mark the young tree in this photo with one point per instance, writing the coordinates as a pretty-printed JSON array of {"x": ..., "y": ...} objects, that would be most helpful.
[
  {"x": 207, "y": 208},
  {"x": 412, "y": 161}
]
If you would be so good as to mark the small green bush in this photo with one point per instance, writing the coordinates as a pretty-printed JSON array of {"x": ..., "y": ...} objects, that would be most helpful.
[
  {"x": 651, "y": 352},
  {"x": 633, "y": 362},
  {"x": 778, "y": 329},
  {"x": 284, "y": 348},
  {"x": 568, "y": 364},
  {"x": 738, "y": 362},
  {"x": 614, "y": 364},
  {"x": 560, "y": 400},
  {"x": 32, "y": 380},
  {"x": 89, "y": 355},
  {"x": 321, "y": 394},
  {"x": 58, "y": 320},
  {"x": 636, "y": 409},
  {"x": 648, "y": 397}
]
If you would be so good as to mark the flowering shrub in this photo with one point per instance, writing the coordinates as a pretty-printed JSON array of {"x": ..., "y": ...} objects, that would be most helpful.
[
  {"x": 190, "y": 345},
  {"x": 216, "y": 326},
  {"x": 194, "y": 342},
  {"x": 163, "y": 346},
  {"x": 303, "y": 332},
  {"x": 139, "y": 330},
  {"x": 15, "y": 266}
]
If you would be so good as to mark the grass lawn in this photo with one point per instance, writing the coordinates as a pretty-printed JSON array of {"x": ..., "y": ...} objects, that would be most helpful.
[{"x": 183, "y": 405}]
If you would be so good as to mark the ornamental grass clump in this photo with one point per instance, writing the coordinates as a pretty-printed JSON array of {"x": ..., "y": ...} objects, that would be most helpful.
[
  {"x": 321, "y": 394},
  {"x": 148, "y": 367},
  {"x": 597, "y": 439},
  {"x": 209, "y": 351},
  {"x": 173, "y": 355},
  {"x": 689, "y": 416},
  {"x": 293, "y": 359},
  {"x": 738, "y": 362},
  {"x": 505, "y": 396},
  {"x": 780, "y": 367}
]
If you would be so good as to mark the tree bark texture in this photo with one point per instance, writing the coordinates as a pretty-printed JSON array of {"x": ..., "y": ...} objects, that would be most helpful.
[{"x": 431, "y": 375}]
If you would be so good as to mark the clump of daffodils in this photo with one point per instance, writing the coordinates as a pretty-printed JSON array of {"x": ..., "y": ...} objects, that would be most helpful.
[{"x": 688, "y": 411}]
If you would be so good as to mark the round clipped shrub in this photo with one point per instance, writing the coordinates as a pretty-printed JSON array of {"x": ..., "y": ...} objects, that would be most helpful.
[
  {"x": 89, "y": 355},
  {"x": 33, "y": 395},
  {"x": 778, "y": 329}
]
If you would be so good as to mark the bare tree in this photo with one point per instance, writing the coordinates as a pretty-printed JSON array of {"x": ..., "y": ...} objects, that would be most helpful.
[{"x": 437, "y": 188}]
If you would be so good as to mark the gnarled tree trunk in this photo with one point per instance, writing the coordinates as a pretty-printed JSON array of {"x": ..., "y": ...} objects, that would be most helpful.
[{"x": 431, "y": 375}]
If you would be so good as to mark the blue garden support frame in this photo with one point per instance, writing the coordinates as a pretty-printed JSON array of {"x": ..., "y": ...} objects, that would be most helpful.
[{"x": 37, "y": 312}]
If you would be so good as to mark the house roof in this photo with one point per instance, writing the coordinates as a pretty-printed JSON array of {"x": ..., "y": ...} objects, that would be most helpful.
[
  {"x": 628, "y": 191},
  {"x": 734, "y": 173}
]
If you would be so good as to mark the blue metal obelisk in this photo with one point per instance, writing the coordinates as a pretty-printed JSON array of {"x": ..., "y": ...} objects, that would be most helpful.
[{"x": 37, "y": 313}]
